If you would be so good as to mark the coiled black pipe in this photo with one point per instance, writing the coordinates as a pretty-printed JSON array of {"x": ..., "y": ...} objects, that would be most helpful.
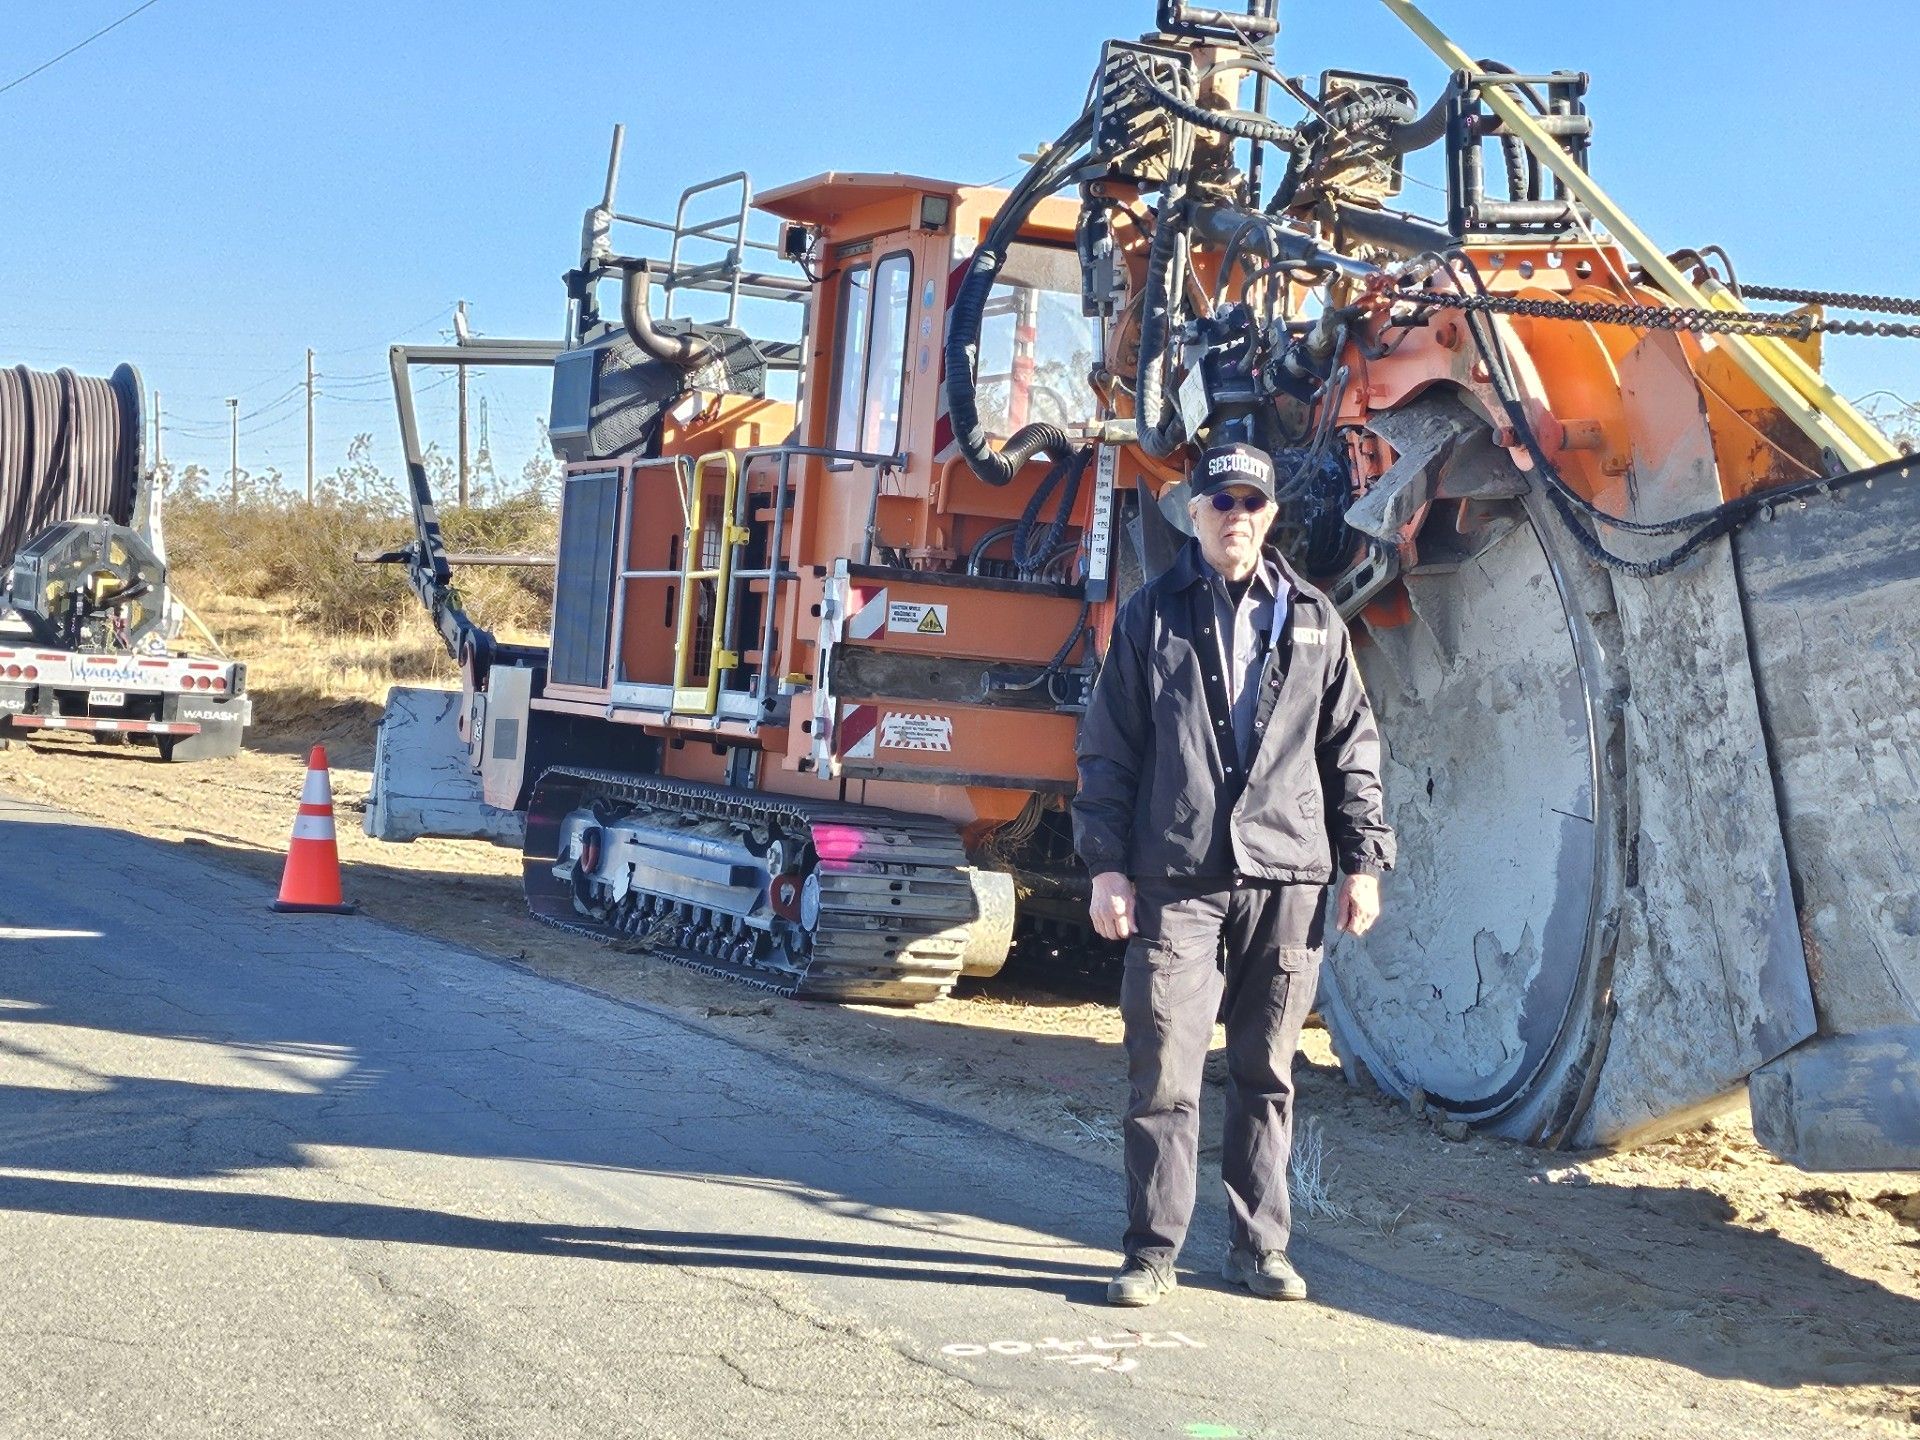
[
  {"x": 1429, "y": 129},
  {"x": 1158, "y": 422},
  {"x": 1523, "y": 166},
  {"x": 1049, "y": 173},
  {"x": 1240, "y": 124},
  {"x": 1347, "y": 117},
  {"x": 70, "y": 445},
  {"x": 1356, "y": 113},
  {"x": 1030, "y": 554}
]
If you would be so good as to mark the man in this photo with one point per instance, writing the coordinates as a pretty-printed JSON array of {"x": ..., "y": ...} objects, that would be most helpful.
[{"x": 1228, "y": 757}]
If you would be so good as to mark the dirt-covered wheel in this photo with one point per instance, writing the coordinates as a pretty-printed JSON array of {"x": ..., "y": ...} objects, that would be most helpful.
[{"x": 1484, "y": 983}]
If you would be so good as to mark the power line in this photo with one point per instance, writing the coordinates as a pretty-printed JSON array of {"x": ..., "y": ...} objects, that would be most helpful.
[
  {"x": 282, "y": 398},
  {"x": 22, "y": 79},
  {"x": 382, "y": 381},
  {"x": 188, "y": 425}
]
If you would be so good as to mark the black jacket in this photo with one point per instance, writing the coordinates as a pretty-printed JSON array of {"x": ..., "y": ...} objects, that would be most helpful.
[{"x": 1159, "y": 790}]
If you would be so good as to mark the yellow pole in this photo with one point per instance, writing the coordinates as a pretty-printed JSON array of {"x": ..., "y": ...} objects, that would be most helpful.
[{"x": 1819, "y": 410}]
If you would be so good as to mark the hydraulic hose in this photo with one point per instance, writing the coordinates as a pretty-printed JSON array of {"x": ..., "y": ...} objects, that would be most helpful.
[
  {"x": 1254, "y": 225},
  {"x": 1240, "y": 124},
  {"x": 1347, "y": 117},
  {"x": 1030, "y": 555},
  {"x": 1701, "y": 527},
  {"x": 1523, "y": 166},
  {"x": 1157, "y": 422},
  {"x": 1429, "y": 129},
  {"x": 70, "y": 445},
  {"x": 1049, "y": 173}
]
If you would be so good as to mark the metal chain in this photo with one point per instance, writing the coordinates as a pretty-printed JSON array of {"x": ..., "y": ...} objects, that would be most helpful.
[
  {"x": 1660, "y": 317},
  {"x": 1833, "y": 299}
]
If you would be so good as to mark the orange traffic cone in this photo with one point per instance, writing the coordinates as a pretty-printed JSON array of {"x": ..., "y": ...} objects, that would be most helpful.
[{"x": 311, "y": 881}]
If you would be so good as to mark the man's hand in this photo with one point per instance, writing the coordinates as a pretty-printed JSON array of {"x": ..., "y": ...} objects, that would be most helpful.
[
  {"x": 1112, "y": 906},
  {"x": 1359, "y": 903}
]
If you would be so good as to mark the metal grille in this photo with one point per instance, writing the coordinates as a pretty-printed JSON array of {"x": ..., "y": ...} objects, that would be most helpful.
[{"x": 583, "y": 596}]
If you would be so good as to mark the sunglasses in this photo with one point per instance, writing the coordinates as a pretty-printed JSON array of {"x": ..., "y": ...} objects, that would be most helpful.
[{"x": 1224, "y": 503}]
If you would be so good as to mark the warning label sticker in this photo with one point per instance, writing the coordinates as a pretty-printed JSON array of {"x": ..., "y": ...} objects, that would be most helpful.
[
  {"x": 908, "y": 617},
  {"x": 916, "y": 732}
]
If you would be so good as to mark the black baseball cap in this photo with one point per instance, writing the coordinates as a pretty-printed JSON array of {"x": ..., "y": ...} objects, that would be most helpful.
[{"x": 1225, "y": 465}]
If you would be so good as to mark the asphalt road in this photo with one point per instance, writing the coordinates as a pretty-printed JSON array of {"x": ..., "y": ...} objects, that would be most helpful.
[{"x": 271, "y": 1175}]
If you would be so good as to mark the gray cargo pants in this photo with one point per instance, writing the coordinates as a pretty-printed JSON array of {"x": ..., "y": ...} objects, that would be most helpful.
[{"x": 1257, "y": 946}]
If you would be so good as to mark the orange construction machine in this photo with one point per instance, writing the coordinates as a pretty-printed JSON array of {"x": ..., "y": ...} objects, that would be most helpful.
[{"x": 1628, "y": 583}]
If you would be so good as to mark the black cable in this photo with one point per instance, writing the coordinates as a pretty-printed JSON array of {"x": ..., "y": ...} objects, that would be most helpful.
[
  {"x": 1733, "y": 277},
  {"x": 1337, "y": 121},
  {"x": 1240, "y": 124},
  {"x": 1429, "y": 129},
  {"x": 72, "y": 49},
  {"x": 1052, "y": 667},
  {"x": 1355, "y": 113},
  {"x": 1051, "y": 172},
  {"x": 1065, "y": 476},
  {"x": 1706, "y": 525},
  {"x": 1157, "y": 423}
]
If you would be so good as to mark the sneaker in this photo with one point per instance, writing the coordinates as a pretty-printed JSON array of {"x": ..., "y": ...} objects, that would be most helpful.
[
  {"x": 1139, "y": 1283},
  {"x": 1267, "y": 1274}
]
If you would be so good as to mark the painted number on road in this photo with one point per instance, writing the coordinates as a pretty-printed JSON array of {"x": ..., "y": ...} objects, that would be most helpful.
[{"x": 1102, "y": 1352}]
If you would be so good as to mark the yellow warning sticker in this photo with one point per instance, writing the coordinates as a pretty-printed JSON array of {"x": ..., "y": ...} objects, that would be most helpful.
[{"x": 911, "y": 617}]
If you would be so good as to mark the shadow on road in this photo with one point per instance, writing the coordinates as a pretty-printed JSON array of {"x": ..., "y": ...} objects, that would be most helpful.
[
  {"x": 400, "y": 1224},
  {"x": 252, "y": 1045}
]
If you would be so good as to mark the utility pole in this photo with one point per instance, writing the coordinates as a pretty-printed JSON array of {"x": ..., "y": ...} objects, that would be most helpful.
[
  {"x": 159, "y": 440},
  {"x": 309, "y": 425},
  {"x": 483, "y": 457},
  {"x": 460, "y": 328},
  {"x": 233, "y": 472}
]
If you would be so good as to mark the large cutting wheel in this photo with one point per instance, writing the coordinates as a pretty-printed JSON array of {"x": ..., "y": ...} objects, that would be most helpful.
[{"x": 1483, "y": 983}]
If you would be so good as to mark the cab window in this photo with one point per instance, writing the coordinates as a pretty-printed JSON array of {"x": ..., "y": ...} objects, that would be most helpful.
[
  {"x": 871, "y": 366},
  {"x": 1036, "y": 347}
]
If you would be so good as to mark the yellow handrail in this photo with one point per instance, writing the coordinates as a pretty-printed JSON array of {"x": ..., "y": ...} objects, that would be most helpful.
[{"x": 705, "y": 699}]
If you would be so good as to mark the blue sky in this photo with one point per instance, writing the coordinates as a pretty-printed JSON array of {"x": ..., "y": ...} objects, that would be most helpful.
[{"x": 218, "y": 184}]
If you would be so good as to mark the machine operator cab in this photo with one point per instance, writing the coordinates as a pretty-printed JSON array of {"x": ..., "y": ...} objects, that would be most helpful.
[
  {"x": 888, "y": 253},
  {"x": 717, "y": 538}
]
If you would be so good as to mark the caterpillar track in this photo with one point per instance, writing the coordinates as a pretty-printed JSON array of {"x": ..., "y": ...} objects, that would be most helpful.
[{"x": 813, "y": 900}]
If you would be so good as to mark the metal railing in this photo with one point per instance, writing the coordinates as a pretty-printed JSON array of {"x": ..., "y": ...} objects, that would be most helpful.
[
  {"x": 730, "y": 575},
  {"x": 727, "y": 275}
]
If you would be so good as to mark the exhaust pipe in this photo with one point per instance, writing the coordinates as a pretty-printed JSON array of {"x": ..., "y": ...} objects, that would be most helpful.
[{"x": 684, "y": 352}]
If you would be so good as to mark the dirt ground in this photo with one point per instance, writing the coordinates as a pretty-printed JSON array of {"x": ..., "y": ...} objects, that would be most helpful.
[{"x": 1702, "y": 1251}]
